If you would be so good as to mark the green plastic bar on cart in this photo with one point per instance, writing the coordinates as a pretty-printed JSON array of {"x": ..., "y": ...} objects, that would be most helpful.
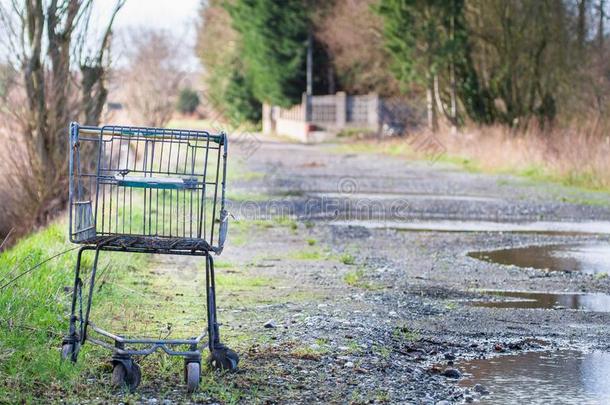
[{"x": 164, "y": 183}]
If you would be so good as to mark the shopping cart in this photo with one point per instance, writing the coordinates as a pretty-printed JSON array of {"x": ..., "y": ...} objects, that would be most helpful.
[{"x": 146, "y": 190}]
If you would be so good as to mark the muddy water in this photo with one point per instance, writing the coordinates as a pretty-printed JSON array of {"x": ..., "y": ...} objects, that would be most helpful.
[
  {"x": 593, "y": 227},
  {"x": 566, "y": 377},
  {"x": 587, "y": 258},
  {"x": 525, "y": 299}
]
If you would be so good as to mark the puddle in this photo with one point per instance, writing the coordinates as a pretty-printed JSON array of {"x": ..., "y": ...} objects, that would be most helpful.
[
  {"x": 586, "y": 258},
  {"x": 566, "y": 377},
  {"x": 402, "y": 196},
  {"x": 596, "y": 302},
  {"x": 593, "y": 227}
]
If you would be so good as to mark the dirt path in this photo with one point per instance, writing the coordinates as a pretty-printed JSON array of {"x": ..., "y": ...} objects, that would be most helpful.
[{"x": 360, "y": 310}]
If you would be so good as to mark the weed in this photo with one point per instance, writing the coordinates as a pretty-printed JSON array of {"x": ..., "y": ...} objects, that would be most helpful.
[
  {"x": 348, "y": 259},
  {"x": 306, "y": 353},
  {"x": 404, "y": 333},
  {"x": 383, "y": 351},
  {"x": 307, "y": 254},
  {"x": 355, "y": 279},
  {"x": 450, "y": 306},
  {"x": 354, "y": 347},
  {"x": 283, "y": 220},
  {"x": 382, "y": 396}
]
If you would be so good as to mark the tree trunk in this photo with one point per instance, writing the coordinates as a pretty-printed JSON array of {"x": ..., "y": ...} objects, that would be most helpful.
[
  {"x": 453, "y": 99},
  {"x": 600, "y": 27},
  {"x": 45, "y": 32},
  {"x": 452, "y": 78},
  {"x": 581, "y": 27}
]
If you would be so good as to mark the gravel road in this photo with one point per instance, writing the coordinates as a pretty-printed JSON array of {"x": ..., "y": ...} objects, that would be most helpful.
[{"x": 350, "y": 307}]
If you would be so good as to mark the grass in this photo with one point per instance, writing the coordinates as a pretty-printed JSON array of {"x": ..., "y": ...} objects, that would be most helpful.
[
  {"x": 406, "y": 334},
  {"x": 242, "y": 229},
  {"x": 356, "y": 278},
  {"x": 308, "y": 253},
  {"x": 211, "y": 125},
  {"x": 241, "y": 197},
  {"x": 135, "y": 296},
  {"x": 354, "y": 348},
  {"x": 312, "y": 352},
  {"x": 34, "y": 316},
  {"x": 347, "y": 259}
]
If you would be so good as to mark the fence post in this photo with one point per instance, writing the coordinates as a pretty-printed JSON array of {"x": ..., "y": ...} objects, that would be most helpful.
[
  {"x": 340, "y": 109},
  {"x": 373, "y": 112}
]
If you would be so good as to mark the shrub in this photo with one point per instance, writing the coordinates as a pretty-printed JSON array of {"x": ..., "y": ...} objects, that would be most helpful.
[{"x": 188, "y": 101}]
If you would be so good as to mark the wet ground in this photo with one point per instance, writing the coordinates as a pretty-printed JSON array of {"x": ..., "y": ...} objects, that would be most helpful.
[
  {"x": 560, "y": 376},
  {"x": 597, "y": 302},
  {"x": 361, "y": 267},
  {"x": 592, "y": 258}
]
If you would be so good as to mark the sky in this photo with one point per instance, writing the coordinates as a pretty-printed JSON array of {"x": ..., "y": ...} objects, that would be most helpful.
[
  {"x": 179, "y": 17},
  {"x": 173, "y": 15}
]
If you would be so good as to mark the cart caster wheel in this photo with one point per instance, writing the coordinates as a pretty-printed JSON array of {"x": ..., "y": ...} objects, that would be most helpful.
[
  {"x": 126, "y": 373},
  {"x": 192, "y": 376},
  {"x": 223, "y": 359},
  {"x": 68, "y": 352}
]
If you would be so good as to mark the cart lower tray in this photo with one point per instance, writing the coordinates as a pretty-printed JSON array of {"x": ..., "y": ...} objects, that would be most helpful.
[{"x": 149, "y": 242}]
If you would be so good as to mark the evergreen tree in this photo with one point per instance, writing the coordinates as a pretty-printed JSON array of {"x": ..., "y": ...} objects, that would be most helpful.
[
  {"x": 274, "y": 45},
  {"x": 220, "y": 50},
  {"x": 188, "y": 101},
  {"x": 418, "y": 43}
]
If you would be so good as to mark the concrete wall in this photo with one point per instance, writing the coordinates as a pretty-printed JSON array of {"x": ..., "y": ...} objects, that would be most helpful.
[
  {"x": 318, "y": 117},
  {"x": 298, "y": 130}
]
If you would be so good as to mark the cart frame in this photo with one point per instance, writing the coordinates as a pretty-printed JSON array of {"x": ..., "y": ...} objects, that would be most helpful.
[{"x": 172, "y": 188}]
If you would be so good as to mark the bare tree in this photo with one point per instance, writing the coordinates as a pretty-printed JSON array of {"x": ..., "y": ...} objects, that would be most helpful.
[
  {"x": 153, "y": 77},
  {"x": 351, "y": 32},
  {"x": 44, "y": 42}
]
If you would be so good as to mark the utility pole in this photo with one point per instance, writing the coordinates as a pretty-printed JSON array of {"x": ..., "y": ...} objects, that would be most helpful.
[{"x": 309, "y": 64}]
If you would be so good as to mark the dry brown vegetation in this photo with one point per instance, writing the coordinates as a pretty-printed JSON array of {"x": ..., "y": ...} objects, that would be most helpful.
[
  {"x": 52, "y": 73},
  {"x": 575, "y": 156},
  {"x": 353, "y": 35},
  {"x": 153, "y": 77}
]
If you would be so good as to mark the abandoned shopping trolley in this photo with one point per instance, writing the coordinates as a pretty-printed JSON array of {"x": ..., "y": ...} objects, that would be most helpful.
[{"x": 146, "y": 190}]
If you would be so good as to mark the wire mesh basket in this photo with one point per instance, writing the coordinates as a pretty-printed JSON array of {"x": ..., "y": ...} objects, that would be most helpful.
[{"x": 148, "y": 188}]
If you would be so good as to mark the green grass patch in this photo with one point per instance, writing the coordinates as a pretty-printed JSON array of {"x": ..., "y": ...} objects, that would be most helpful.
[
  {"x": 34, "y": 313},
  {"x": 356, "y": 278},
  {"x": 405, "y": 333},
  {"x": 348, "y": 259},
  {"x": 313, "y": 352},
  {"x": 310, "y": 253},
  {"x": 353, "y": 278},
  {"x": 246, "y": 197},
  {"x": 241, "y": 282}
]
